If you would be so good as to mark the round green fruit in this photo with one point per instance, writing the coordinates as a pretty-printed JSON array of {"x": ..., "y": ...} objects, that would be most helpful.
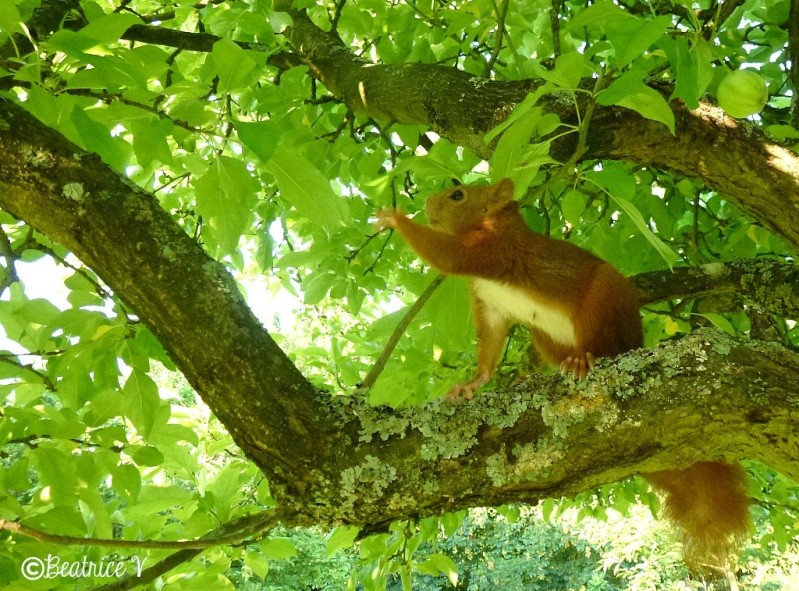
[{"x": 742, "y": 93}]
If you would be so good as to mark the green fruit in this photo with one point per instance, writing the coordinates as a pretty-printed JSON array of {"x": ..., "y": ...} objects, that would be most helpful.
[{"x": 742, "y": 93}]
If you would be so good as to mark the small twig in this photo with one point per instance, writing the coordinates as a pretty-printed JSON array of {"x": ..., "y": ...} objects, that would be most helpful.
[
  {"x": 11, "y": 257},
  {"x": 554, "y": 25},
  {"x": 34, "y": 244},
  {"x": 502, "y": 13},
  {"x": 371, "y": 267},
  {"x": 150, "y": 574},
  {"x": 582, "y": 143},
  {"x": 32, "y": 442},
  {"x": 174, "y": 560},
  {"x": 337, "y": 15},
  {"x": 399, "y": 331},
  {"x": 793, "y": 49},
  {"x": 110, "y": 97},
  {"x": 14, "y": 361}
]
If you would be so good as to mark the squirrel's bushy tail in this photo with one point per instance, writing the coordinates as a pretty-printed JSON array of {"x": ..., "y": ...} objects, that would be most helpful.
[{"x": 708, "y": 501}]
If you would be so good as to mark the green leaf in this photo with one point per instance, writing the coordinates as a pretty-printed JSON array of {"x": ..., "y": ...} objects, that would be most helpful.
[
  {"x": 280, "y": 21},
  {"x": 316, "y": 286},
  {"x": 109, "y": 27},
  {"x": 71, "y": 43},
  {"x": 521, "y": 110},
  {"x": 448, "y": 310},
  {"x": 126, "y": 481},
  {"x": 278, "y": 549},
  {"x": 373, "y": 546},
  {"x": 630, "y": 37},
  {"x": 79, "y": 323},
  {"x": 340, "y": 538},
  {"x": 257, "y": 564},
  {"x": 439, "y": 564},
  {"x": 620, "y": 187},
  {"x": 307, "y": 189},
  {"x": 10, "y": 19},
  {"x": 38, "y": 311},
  {"x": 150, "y": 140},
  {"x": 513, "y": 144},
  {"x": 96, "y": 137},
  {"x": 141, "y": 401},
  {"x": 225, "y": 488},
  {"x": 572, "y": 204},
  {"x": 719, "y": 321},
  {"x": 634, "y": 214},
  {"x": 57, "y": 470},
  {"x": 226, "y": 195},
  {"x": 262, "y": 137},
  {"x": 146, "y": 455},
  {"x": 692, "y": 62},
  {"x": 569, "y": 69},
  {"x": 236, "y": 68},
  {"x": 629, "y": 91},
  {"x": 599, "y": 13},
  {"x": 452, "y": 521}
]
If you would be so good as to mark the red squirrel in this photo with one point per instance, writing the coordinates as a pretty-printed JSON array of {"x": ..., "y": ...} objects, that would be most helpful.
[{"x": 577, "y": 308}]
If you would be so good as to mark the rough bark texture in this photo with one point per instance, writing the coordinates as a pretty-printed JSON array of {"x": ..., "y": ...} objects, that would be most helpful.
[
  {"x": 706, "y": 396},
  {"x": 334, "y": 460}
]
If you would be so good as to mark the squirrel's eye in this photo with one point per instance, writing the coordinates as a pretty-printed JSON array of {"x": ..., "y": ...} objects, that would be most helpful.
[{"x": 457, "y": 195}]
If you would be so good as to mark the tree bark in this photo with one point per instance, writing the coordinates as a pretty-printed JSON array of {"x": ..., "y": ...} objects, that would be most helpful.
[
  {"x": 707, "y": 396},
  {"x": 187, "y": 299},
  {"x": 727, "y": 155},
  {"x": 333, "y": 460}
]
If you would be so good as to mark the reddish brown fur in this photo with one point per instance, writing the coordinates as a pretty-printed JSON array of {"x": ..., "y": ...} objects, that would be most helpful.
[
  {"x": 485, "y": 236},
  {"x": 709, "y": 501},
  {"x": 478, "y": 232}
]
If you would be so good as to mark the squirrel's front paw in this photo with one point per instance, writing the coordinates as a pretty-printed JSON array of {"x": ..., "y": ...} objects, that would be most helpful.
[{"x": 387, "y": 218}]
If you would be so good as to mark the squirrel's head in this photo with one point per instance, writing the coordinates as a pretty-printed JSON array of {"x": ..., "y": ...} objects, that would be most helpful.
[{"x": 463, "y": 207}]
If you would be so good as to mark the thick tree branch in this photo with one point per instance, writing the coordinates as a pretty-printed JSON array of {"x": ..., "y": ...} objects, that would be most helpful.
[
  {"x": 189, "y": 301},
  {"x": 707, "y": 396},
  {"x": 771, "y": 285},
  {"x": 731, "y": 157}
]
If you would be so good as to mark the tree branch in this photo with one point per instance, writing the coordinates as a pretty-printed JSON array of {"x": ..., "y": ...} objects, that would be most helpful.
[
  {"x": 186, "y": 298},
  {"x": 771, "y": 285},
  {"x": 236, "y": 531},
  {"x": 707, "y": 396},
  {"x": 735, "y": 159},
  {"x": 249, "y": 525}
]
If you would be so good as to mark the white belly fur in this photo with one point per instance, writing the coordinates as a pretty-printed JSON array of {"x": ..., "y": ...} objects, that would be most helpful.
[{"x": 516, "y": 305}]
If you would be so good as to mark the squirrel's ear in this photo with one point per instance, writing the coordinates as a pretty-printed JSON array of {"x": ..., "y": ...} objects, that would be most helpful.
[
  {"x": 504, "y": 189},
  {"x": 456, "y": 182}
]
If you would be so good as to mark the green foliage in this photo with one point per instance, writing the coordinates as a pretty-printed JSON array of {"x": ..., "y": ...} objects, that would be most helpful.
[
  {"x": 98, "y": 436},
  {"x": 521, "y": 549}
]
